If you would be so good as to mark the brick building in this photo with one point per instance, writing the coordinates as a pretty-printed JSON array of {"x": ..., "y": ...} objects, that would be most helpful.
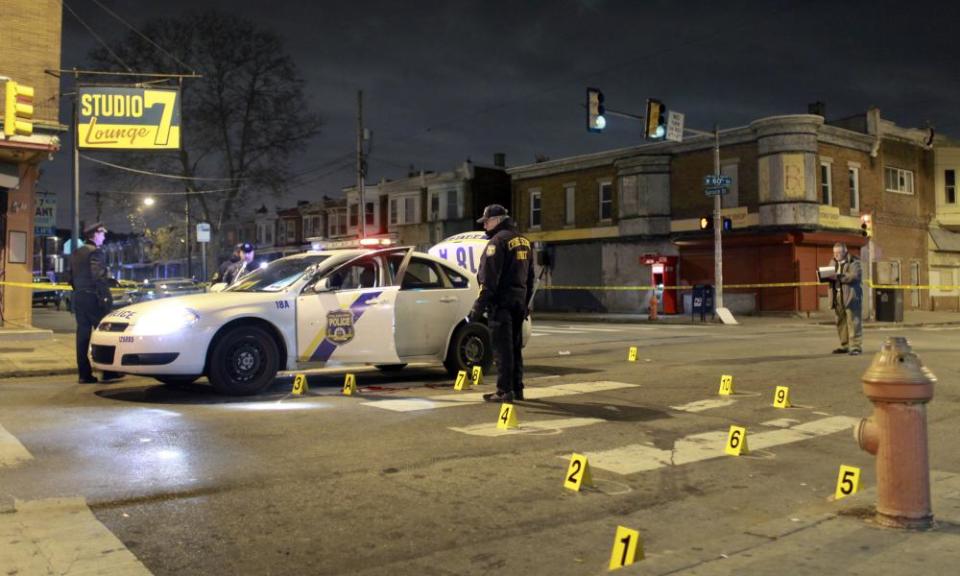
[
  {"x": 944, "y": 241},
  {"x": 29, "y": 44},
  {"x": 798, "y": 185}
]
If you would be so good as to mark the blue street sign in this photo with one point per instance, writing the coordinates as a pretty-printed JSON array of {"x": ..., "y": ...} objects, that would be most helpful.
[
  {"x": 717, "y": 191},
  {"x": 717, "y": 180}
]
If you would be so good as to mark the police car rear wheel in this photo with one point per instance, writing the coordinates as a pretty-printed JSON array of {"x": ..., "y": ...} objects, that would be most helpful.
[
  {"x": 244, "y": 361},
  {"x": 469, "y": 347}
]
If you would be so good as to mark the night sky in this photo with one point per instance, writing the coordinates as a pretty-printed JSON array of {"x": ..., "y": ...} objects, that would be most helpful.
[{"x": 444, "y": 81}]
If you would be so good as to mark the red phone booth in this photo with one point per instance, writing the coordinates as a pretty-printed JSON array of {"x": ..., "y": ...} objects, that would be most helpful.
[{"x": 663, "y": 272}]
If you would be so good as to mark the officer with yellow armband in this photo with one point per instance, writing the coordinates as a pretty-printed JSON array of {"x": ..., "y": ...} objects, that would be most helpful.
[{"x": 506, "y": 288}]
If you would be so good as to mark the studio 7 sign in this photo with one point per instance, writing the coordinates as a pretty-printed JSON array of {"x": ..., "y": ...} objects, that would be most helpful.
[{"x": 121, "y": 118}]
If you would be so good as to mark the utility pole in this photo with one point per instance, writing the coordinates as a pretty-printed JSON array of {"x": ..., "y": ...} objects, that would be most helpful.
[
  {"x": 717, "y": 224},
  {"x": 189, "y": 251},
  {"x": 75, "y": 205},
  {"x": 361, "y": 168}
]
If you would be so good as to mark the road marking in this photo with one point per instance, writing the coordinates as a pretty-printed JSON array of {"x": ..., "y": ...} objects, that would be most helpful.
[
  {"x": 703, "y": 405},
  {"x": 557, "y": 331},
  {"x": 780, "y": 423},
  {"x": 527, "y": 427},
  {"x": 12, "y": 451},
  {"x": 538, "y": 393},
  {"x": 708, "y": 445},
  {"x": 62, "y": 536}
]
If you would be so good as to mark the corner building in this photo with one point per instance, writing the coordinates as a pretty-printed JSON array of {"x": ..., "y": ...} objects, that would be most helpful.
[{"x": 631, "y": 217}]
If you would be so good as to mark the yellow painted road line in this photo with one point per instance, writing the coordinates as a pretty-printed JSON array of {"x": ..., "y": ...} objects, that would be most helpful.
[
  {"x": 62, "y": 536},
  {"x": 12, "y": 451}
]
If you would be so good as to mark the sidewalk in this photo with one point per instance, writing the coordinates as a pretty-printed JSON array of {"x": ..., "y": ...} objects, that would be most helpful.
[
  {"x": 25, "y": 352},
  {"x": 829, "y": 538}
]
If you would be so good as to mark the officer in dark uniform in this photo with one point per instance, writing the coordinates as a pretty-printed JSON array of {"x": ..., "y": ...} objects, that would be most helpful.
[
  {"x": 241, "y": 267},
  {"x": 227, "y": 264},
  {"x": 91, "y": 296},
  {"x": 506, "y": 287}
]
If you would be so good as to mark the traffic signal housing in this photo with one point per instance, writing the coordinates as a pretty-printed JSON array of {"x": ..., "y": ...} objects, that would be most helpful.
[
  {"x": 656, "y": 120},
  {"x": 866, "y": 225},
  {"x": 706, "y": 223},
  {"x": 596, "y": 121},
  {"x": 18, "y": 110}
]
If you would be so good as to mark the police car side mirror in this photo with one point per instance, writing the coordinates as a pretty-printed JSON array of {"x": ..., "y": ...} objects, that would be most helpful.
[{"x": 322, "y": 285}]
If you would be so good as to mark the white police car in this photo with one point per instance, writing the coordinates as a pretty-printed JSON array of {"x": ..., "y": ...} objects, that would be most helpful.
[{"x": 387, "y": 308}]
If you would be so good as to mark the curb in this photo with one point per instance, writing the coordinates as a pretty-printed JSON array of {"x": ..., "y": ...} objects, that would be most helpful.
[{"x": 37, "y": 373}]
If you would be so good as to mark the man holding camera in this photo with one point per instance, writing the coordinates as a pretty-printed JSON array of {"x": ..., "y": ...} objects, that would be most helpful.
[{"x": 846, "y": 299}]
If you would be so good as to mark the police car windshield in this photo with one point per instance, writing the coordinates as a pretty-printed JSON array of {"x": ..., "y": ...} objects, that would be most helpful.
[{"x": 278, "y": 275}]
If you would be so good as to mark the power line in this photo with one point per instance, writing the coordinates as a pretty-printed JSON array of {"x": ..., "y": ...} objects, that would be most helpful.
[
  {"x": 95, "y": 35},
  {"x": 142, "y": 35}
]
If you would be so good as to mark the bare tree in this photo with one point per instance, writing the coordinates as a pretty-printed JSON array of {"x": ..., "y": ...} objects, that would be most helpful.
[{"x": 241, "y": 123}]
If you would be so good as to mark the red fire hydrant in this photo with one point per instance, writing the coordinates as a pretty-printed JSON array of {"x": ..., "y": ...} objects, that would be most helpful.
[
  {"x": 652, "y": 315},
  {"x": 899, "y": 386}
]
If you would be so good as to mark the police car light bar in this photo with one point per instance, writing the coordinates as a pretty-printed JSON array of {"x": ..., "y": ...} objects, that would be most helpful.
[{"x": 369, "y": 241}]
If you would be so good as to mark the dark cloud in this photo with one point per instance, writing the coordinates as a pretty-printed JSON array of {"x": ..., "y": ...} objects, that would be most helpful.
[{"x": 448, "y": 80}]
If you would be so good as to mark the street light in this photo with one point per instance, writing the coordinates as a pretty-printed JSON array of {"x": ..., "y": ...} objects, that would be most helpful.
[{"x": 149, "y": 201}]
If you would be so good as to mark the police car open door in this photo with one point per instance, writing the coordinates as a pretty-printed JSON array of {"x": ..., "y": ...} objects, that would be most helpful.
[{"x": 347, "y": 315}]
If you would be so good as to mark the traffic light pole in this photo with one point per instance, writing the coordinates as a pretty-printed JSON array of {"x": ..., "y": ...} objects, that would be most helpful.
[{"x": 360, "y": 167}]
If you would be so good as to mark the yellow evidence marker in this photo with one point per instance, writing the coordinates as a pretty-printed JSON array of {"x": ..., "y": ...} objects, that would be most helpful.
[
  {"x": 848, "y": 481},
  {"x": 349, "y": 385},
  {"x": 578, "y": 473},
  {"x": 477, "y": 375},
  {"x": 632, "y": 354},
  {"x": 736, "y": 441},
  {"x": 507, "y": 418},
  {"x": 781, "y": 397},
  {"x": 461, "y": 379},
  {"x": 300, "y": 384},
  {"x": 627, "y": 548},
  {"x": 726, "y": 385}
]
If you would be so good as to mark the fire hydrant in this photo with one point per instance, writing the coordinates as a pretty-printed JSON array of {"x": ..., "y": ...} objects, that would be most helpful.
[
  {"x": 899, "y": 386},
  {"x": 653, "y": 306}
]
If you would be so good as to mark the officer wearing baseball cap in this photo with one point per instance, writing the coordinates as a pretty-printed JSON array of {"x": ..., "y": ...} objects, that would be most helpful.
[
  {"x": 91, "y": 299},
  {"x": 241, "y": 267},
  {"x": 506, "y": 287}
]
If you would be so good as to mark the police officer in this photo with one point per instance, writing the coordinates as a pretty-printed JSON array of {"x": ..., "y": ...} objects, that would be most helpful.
[
  {"x": 91, "y": 296},
  {"x": 506, "y": 286},
  {"x": 241, "y": 267},
  {"x": 226, "y": 264},
  {"x": 846, "y": 299}
]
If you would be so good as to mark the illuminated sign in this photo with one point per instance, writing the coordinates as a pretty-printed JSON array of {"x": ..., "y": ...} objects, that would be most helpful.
[{"x": 119, "y": 118}]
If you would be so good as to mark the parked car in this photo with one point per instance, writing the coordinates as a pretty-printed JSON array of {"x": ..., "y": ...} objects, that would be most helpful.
[
  {"x": 43, "y": 296},
  {"x": 165, "y": 288}
]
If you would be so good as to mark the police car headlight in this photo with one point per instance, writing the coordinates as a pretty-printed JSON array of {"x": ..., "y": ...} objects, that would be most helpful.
[{"x": 165, "y": 321}]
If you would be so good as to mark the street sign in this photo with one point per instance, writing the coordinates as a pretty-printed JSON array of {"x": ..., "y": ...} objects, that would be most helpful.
[
  {"x": 716, "y": 191},
  {"x": 45, "y": 218},
  {"x": 674, "y": 126},
  {"x": 203, "y": 232},
  {"x": 715, "y": 180}
]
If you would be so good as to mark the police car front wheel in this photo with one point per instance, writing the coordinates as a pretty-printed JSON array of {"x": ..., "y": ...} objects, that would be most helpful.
[{"x": 243, "y": 361}]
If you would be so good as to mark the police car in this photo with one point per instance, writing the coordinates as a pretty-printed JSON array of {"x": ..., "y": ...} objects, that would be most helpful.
[{"x": 386, "y": 307}]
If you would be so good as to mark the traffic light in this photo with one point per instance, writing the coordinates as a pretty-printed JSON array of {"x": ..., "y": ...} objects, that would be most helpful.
[
  {"x": 656, "y": 120},
  {"x": 18, "y": 110},
  {"x": 706, "y": 222},
  {"x": 866, "y": 225},
  {"x": 596, "y": 121}
]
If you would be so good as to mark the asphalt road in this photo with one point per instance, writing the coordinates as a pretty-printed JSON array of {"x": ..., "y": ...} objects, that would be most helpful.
[{"x": 411, "y": 476}]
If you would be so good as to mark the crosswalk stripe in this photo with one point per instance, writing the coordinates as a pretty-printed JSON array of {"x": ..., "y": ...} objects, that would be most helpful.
[
  {"x": 62, "y": 536},
  {"x": 12, "y": 451},
  {"x": 557, "y": 331},
  {"x": 703, "y": 405},
  {"x": 530, "y": 393},
  {"x": 635, "y": 458},
  {"x": 526, "y": 427}
]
